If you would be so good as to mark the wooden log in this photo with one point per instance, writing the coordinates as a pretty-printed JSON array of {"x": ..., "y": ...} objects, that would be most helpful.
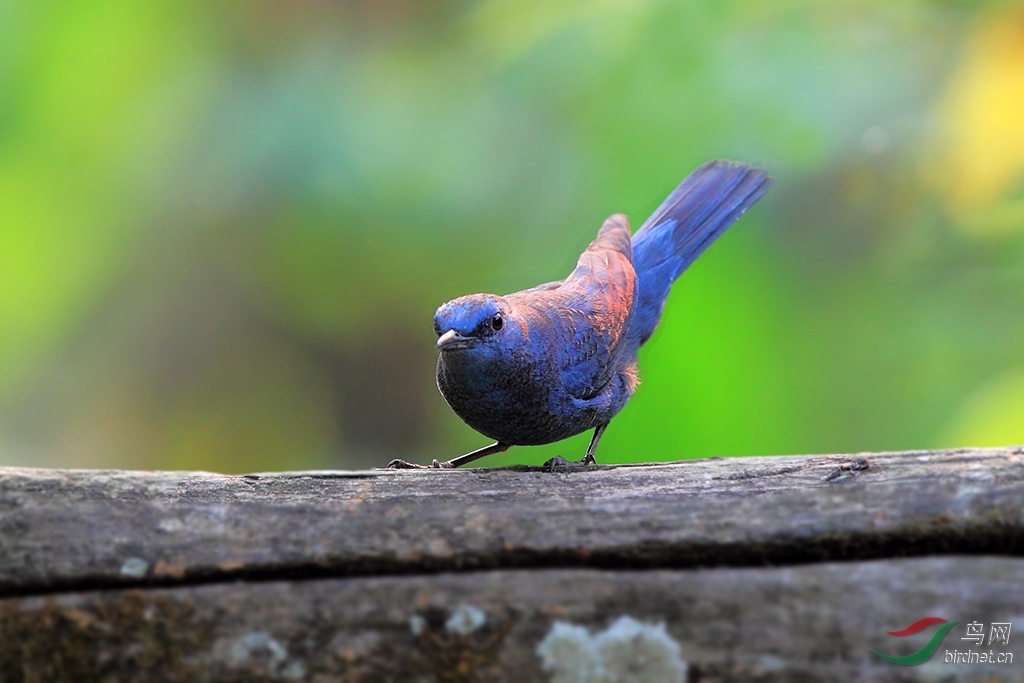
[{"x": 773, "y": 569}]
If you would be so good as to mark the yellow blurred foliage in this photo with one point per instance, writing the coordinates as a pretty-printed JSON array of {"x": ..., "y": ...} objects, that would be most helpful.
[
  {"x": 992, "y": 416},
  {"x": 981, "y": 147}
]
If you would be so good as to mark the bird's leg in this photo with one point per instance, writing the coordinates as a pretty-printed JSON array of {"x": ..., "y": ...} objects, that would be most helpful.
[
  {"x": 496, "y": 447},
  {"x": 588, "y": 459}
]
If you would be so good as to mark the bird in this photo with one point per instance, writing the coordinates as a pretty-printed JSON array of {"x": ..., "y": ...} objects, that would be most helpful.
[{"x": 556, "y": 360}]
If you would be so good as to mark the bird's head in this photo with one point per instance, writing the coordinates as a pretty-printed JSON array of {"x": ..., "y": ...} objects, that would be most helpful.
[{"x": 470, "y": 321}]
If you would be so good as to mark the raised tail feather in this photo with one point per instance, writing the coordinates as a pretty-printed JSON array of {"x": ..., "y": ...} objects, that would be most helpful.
[{"x": 707, "y": 202}]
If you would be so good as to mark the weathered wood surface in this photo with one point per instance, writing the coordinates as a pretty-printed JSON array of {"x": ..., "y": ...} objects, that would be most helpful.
[
  {"x": 811, "y": 622},
  {"x": 77, "y": 529},
  {"x": 214, "y": 577}
]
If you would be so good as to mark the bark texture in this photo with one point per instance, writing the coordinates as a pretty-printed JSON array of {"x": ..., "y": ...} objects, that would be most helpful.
[{"x": 766, "y": 569}]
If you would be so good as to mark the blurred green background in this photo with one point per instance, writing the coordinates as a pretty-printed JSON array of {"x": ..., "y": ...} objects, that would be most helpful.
[{"x": 225, "y": 227}]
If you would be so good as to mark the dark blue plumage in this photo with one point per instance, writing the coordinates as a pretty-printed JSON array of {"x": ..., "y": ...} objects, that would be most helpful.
[{"x": 553, "y": 361}]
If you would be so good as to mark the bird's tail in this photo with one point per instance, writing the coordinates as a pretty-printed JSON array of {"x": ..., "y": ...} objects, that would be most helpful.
[{"x": 694, "y": 215}]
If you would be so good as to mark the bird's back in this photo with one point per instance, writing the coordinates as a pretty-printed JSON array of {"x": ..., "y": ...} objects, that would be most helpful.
[{"x": 580, "y": 322}]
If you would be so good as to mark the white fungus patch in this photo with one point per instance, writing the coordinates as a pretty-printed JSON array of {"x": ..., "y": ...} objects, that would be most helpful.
[
  {"x": 261, "y": 654},
  {"x": 255, "y": 644},
  {"x": 465, "y": 619},
  {"x": 633, "y": 651},
  {"x": 628, "y": 650},
  {"x": 134, "y": 567},
  {"x": 170, "y": 525},
  {"x": 295, "y": 671},
  {"x": 570, "y": 653}
]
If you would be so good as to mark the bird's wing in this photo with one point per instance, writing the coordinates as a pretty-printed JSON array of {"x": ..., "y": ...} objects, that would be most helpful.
[{"x": 592, "y": 308}]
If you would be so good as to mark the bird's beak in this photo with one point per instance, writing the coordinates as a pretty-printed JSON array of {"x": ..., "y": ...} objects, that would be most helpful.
[{"x": 447, "y": 338}]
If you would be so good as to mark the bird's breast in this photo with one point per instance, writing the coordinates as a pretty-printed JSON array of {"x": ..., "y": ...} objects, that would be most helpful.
[
  {"x": 522, "y": 402},
  {"x": 507, "y": 399}
]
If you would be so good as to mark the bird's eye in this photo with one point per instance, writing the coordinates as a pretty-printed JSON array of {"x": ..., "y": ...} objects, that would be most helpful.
[
  {"x": 437, "y": 329},
  {"x": 497, "y": 322}
]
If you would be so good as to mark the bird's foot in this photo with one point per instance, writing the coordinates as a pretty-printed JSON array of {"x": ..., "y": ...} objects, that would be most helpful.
[
  {"x": 560, "y": 463},
  {"x": 397, "y": 464},
  {"x": 557, "y": 463}
]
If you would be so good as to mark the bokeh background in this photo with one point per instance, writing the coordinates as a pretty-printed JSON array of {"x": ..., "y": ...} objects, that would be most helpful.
[{"x": 225, "y": 226}]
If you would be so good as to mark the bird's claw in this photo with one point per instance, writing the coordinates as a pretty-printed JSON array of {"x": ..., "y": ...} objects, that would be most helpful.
[
  {"x": 557, "y": 462},
  {"x": 398, "y": 464},
  {"x": 560, "y": 463}
]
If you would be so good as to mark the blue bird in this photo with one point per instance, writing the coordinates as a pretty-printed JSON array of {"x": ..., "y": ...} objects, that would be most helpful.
[{"x": 550, "y": 362}]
